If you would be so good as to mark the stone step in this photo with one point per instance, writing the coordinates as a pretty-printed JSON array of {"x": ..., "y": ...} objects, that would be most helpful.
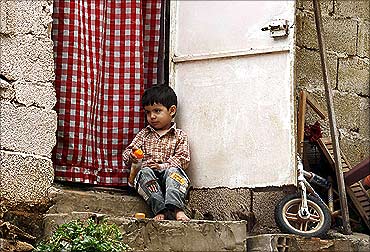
[
  {"x": 149, "y": 235},
  {"x": 113, "y": 202},
  {"x": 198, "y": 235}
]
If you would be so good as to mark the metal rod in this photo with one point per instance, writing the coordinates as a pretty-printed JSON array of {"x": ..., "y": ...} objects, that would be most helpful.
[{"x": 332, "y": 122}]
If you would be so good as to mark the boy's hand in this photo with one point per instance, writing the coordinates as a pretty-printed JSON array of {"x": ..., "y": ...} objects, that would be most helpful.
[
  {"x": 133, "y": 158},
  {"x": 153, "y": 165}
]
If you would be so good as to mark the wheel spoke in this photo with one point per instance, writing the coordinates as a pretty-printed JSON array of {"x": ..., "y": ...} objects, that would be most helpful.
[
  {"x": 314, "y": 218},
  {"x": 305, "y": 225},
  {"x": 291, "y": 216}
]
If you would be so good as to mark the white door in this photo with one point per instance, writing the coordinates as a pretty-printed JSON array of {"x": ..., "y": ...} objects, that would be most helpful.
[{"x": 235, "y": 88}]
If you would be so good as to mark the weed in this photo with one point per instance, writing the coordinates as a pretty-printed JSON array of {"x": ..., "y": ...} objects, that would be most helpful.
[{"x": 88, "y": 236}]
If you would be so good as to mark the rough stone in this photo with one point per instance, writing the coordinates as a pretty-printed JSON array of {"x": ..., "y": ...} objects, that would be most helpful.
[
  {"x": 352, "y": 8},
  {"x": 149, "y": 235},
  {"x": 114, "y": 203},
  {"x": 360, "y": 242},
  {"x": 6, "y": 90},
  {"x": 22, "y": 17},
  {"x": 353, "y": 75},
  {"x": 326, "y": 6},
  {"x": 27, "y": 57},
  {"x": 38, "y": 94},
  {"x": 355, "y": 148},
  {"x": 308, "y": 69},
  {"x": 15, "y": 246},
  {"x": 303, "y": 244},
  {"x": 340, "y": 34},
  {"x": 30, "y": 130},
  {"x": 284, "y": 242},
  {"x": 264, "y": 203},
  {"x": 219, "y": 203},
  {"x": 363, "y": 39},
  {"x": 347, "y": 110},
  {"x": 24, "y": 178}
]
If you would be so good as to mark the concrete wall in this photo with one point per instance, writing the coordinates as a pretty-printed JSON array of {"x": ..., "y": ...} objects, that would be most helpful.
[
  {"x": 346, "y": 30},
  {"x": 27, "y": 97}
]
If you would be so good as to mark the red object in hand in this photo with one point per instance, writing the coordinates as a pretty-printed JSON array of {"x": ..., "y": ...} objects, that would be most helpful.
[{"x": 139, "y": 154}]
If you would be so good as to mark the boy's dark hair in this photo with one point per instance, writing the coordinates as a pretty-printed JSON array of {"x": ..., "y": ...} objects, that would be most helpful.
[{"x": 162, "y": 94}]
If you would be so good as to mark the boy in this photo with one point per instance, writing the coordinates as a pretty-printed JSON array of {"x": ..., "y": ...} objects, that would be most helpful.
[{"x": 161, "y": 181}]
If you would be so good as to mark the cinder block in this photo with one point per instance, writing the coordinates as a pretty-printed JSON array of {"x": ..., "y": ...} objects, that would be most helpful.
[
  {"x": 354, "y": 147},
  {"x": 353, "y": 75},
  {"x": 30, "y": 130},
  {"x": 351, "y": 114},
  {"x": 352, "y": 8},
  {"x": 232, "y": 204},
  {"x": 264, "y": 203},
  {"x": 270, "y": 243},
  {"x": 347, "y": 110},
  {"x": 27, "y": 57},
  {"x": 364, "y": 129},
  {"x": 24, "y": 178},
  {"x": 326, "y": 6},
  {"x": 22, "y": 17},
  {"x": 308, "y": 68},
  {"x": 299, "y": 19},
  {"x": 340, "y": 34},
  {"x": 363, "y": 39},
  {"x": 38, "y": 94}
]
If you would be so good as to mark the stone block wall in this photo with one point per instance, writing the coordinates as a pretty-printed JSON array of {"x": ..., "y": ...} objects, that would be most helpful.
[
  {"x": 346, "y": 33},
  {"x": 27, "y": 97}
]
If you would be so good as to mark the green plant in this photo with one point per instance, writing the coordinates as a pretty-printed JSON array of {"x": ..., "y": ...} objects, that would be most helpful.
[{"x": 88, "y": 236}]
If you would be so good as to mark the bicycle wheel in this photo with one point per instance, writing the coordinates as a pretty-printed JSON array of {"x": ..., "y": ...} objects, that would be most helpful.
[{"x": 289, "y": 219}]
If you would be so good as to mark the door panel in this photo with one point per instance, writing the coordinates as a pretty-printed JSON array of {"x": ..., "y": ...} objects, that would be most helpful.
[{"x": 234, "y": 84}]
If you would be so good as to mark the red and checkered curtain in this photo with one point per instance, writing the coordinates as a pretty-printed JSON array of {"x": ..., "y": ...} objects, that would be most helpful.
[{"x": 106, "y": 54}]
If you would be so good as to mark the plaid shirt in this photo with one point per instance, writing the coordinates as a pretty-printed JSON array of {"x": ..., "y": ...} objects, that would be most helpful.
[{"x": 169, "y": 150}]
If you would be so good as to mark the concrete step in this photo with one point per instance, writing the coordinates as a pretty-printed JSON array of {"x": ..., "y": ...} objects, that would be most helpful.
[
  {"x": 196, "y": 235},
  {"x": 110, "y": 201},
  {"x": 287, "y": 242},
  {"x": 203, "y": 236},
  {"x": 149, "y": 235}
]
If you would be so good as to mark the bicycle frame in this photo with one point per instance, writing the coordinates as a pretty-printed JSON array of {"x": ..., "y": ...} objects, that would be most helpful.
[{"x": 303, "y": 187}]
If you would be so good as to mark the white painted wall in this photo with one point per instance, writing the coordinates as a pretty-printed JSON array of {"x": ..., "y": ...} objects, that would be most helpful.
[{"x": 234, "y": 84}]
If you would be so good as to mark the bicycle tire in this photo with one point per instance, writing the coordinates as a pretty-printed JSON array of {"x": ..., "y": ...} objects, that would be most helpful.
[{"x": 289, "y": 221}]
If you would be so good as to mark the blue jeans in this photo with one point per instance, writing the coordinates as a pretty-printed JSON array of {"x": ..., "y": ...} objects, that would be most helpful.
[{"x": 162, "y": 190}]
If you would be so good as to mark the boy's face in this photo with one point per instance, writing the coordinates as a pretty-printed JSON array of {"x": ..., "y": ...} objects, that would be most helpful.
[{"x": 158, "y": 116}]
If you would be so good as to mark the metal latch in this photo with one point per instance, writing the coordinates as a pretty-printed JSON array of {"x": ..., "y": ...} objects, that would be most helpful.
[{"x": 277, "y": 28}]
